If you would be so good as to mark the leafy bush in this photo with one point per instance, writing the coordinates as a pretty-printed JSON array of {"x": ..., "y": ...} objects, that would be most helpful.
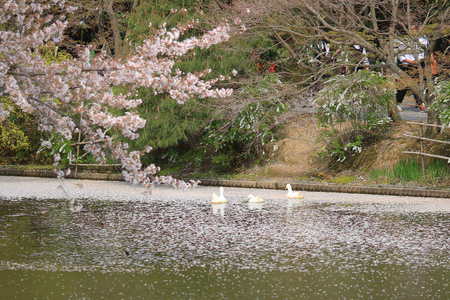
[
  {"x": 227, "y": 132},
  {"x": 360, "y": 98},
  {"x": 51, "y": 53},
  {"x": 222, "y": 163},
  {"x": 353, "y": 109},
  {"x": 249, "y": 131},
  {"x": 221, "y": 138},
  {"x": 244, "y": 135},
  {"x": 169, "y": 122},
  {"x": 441, "y": 105},
  {"x": 19, "y": 138}
]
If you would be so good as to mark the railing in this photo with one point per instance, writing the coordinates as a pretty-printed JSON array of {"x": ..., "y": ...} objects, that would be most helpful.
[
  {"x": 421, "y": 138},
  {"x": 78, "y": 157}
]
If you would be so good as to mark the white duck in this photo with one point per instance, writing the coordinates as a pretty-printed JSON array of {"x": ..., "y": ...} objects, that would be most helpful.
[
  {"x": 219, "y": 199},
  {"x": 255, "y": 205},
  {"x": 291, "y": 194},
  {"x": 254, "y": 199}
]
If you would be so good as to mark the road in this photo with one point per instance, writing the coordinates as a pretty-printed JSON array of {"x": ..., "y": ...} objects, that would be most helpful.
[{"x": 409, "y": 113}]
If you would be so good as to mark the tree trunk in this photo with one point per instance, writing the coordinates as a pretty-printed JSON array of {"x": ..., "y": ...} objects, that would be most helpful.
[
  {"x": 101, "y": 29},
  {"x": 430, "y": 131},
  {"x": 393, "y": 112},
  {"x": 120, "y": 48}
]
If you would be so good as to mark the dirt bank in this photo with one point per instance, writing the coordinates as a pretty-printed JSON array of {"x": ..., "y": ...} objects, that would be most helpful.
[{"x": 295, "y": 154}]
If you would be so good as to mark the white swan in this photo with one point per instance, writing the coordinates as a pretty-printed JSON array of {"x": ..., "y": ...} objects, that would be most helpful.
[
  {"x": 219, "y": 199},
  {"x": 291, "y": 194},
  {"x": 253, "y": 199}
]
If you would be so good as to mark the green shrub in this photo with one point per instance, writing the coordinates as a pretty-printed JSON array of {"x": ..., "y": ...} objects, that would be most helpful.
[
  {"x": 169, "y": 124},
  {"x": 360, "y": 98},
  {"x": 227, "y": 134},
  {"x": 222, "y": 163},
  {"x": 353, "y": 110},
  {"x": 243, "y": 134},
  {"x": 441, "y": 104},
  {"x": 19, "y": 137}
]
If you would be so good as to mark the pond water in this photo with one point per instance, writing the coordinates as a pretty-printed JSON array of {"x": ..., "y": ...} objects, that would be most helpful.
[{"x": 192, "y": 249}]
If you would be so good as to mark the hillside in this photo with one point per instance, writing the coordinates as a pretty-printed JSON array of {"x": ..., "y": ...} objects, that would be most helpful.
[{"x": 295, "y": 153}]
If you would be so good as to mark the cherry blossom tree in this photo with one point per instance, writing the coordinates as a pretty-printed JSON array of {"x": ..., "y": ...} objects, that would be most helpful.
[{"x": 82, "y": 95}]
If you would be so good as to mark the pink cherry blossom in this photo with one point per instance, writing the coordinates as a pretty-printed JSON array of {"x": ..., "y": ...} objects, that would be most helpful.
[{"x": 77, "y": 96}]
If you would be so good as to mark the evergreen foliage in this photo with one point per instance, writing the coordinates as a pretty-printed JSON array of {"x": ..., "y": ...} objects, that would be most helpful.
[
  {"x": 199, "y": 122},
  {"x": 171, "y": 123}
]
